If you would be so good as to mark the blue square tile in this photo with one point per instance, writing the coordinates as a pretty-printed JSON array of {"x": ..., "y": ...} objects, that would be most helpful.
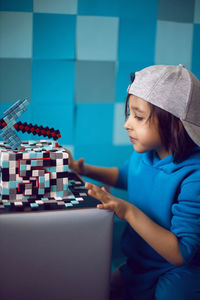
[
  {"x": 174, "y": 43},
  {"x": 99, "y": 7},
  {"x": 93, "y": 124},
  {"x": 95, "y": 82},
  {"x": 97, "y": 38},
  {"x": 16, "y": 34},
  {"x": 4, "y": 107},
  {"x": 53, "y": 81},
  {"x": 196, "y": 51},
  {"x": 197, "y": 12},
  {"x": 120, "y": 134},
  {"x": 16, "y": 5},
  {"x": 176, "y": 10},
  {"x": 54, "y": 36},
  {"x": 137, "y": 40},
  {"x": 58, "y": 6},
  {"x": 59, "y": 117},
  {"x": 139, "y": 10},
  {"x": 15, "y": 79},
  {"x": 101, "y": 155}
]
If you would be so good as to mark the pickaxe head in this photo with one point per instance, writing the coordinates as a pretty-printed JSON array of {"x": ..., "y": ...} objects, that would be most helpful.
[{"x": 11, "y": 115}]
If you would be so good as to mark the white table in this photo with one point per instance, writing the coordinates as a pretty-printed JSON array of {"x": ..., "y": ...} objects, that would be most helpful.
[{"x": 56, "y": 255}]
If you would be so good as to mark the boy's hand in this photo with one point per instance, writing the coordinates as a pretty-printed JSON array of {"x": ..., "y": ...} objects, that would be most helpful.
[
  {"x": 76, "y": 165},
  {"x": 108, "y": 201}
]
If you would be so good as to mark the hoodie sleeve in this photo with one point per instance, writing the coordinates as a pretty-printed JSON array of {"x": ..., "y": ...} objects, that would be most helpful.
[
  {"x": 122, "y": 182},
  {"x": 186, "y": 219}
]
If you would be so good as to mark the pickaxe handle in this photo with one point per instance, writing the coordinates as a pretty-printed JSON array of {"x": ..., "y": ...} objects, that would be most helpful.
[{"x": 34, "y": 129}]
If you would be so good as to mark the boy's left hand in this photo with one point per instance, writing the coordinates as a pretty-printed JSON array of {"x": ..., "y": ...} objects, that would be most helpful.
[{"x": 108, "y": 201}]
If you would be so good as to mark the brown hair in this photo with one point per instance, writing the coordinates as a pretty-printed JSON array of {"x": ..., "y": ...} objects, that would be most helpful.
[{"x": 173, "y": 135}]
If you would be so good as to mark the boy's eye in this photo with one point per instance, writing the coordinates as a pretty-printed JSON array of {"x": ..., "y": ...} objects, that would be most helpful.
[{"x": 138, "y": 118}]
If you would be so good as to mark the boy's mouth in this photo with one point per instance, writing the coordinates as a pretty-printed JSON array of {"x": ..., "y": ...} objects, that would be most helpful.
[{"x": 132, "y": 139}]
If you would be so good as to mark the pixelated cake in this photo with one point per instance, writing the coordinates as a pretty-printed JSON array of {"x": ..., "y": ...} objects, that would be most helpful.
[{"x": 38, "y": 170}]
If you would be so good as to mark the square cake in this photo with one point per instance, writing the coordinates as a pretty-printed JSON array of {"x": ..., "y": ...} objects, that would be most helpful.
[{"x": 39, "y": 170}]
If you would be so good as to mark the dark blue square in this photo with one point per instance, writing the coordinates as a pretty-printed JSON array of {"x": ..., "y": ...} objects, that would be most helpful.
[
  {"x": 137, "y": 40},
  {"x": 53, "y": 81},
  {"x": 16, "y": 5},
  {"x": 99, "y": 7},
  {"x": 54, "y": 36}
]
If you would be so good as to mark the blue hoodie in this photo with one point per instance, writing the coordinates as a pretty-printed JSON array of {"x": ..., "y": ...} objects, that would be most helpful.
[{"x": 169, "y": 193}]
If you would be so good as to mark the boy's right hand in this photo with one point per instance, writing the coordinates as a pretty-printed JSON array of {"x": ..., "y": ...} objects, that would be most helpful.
[{"x": 77, "y": 166}]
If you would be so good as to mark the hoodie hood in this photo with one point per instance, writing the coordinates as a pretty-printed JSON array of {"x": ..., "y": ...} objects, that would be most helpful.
[{"x": 167, "y": 164}]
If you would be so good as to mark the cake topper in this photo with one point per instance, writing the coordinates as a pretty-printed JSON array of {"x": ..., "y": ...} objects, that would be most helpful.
[{"x": 8, "y": 124}]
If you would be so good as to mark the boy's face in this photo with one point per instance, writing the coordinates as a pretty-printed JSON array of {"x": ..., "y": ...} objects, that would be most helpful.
[{"x": 143, "y": 129}]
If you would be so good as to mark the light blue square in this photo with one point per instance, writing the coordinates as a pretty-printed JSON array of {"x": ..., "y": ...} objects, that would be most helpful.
[
  {"x": 13, "y": 184},
  {"x": 68, "y": 205},
  {"x": 34, "y": 205},
  {"x": 53, "y": 188},
  {"x": 71, "y": 197},
  {"x": 34, "y": 163},
  {"x": 16, "y": 5},
  {"x": 174, "y": 43},
  {"x": 5, "y": 164},
  {"x": 97, "y": 38},
  {"x": 4, "y": 191},
  {"x": 22, "y": 167},
  {"x": 7, "y": 204},
  {"x": 120, "y": 134},
  {"x": 58, "y": 6},
  {"x": 99, "y": 7},
  {"x": 74, "y": 202},
  {"x": 16, "y": 34},
  {"x": 54, "y": 36},
  {"x": 41, "y": 179},
  {"x": 196, "y": 51},
  {"x": 65, "y": 187},
  {"x": 47, "y": 184},
  {"x": 65, "y": 168},
  {"x": 197, "y": 12},
  {"x": 137, "y": 40},
  {"x": 53, "y": 82},
  {"x": 60, "y": 117},
  {"x": 59, "y": 194},
  {"x": 94, "y": 124},
  {"x": 32, "y": 154}
]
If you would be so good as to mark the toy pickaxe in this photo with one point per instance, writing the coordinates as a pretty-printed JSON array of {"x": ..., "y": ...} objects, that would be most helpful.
[{"x": 8, "y": 124}]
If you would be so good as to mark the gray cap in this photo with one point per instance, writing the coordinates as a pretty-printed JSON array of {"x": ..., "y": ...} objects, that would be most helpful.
[{"x": 174, "y": 89}]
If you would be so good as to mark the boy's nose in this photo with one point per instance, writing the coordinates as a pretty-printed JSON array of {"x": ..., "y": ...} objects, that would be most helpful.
[{"x": 126, "y": 125}]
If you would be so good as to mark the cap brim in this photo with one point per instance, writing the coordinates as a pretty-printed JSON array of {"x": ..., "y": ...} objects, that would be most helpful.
[{"x": 193, "y": 131}]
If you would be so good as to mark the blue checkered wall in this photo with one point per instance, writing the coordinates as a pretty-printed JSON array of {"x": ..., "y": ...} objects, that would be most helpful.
[{"x": 73, "y": 59}]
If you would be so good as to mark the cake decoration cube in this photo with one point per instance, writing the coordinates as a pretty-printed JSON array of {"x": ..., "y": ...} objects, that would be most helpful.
[{"x": 38, "y": 170}]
